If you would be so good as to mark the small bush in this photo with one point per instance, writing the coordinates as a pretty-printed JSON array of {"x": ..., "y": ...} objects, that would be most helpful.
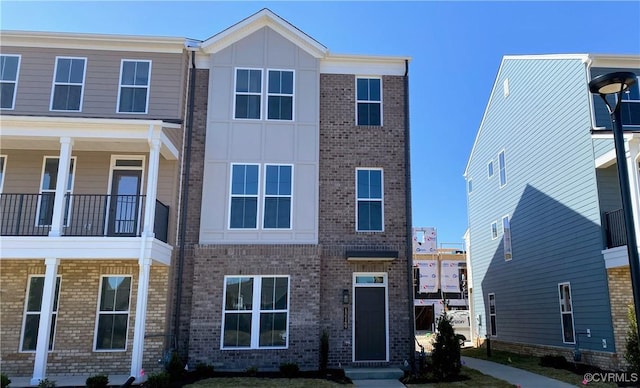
[
  {"x": 632, "y": 345},
  {"x": 158, "y": 380},
  {"x": 204, "y": 370},
  {"x": 289, "y": 369},
  {"x": 324, "y": 351},
  {"x": 175, "y": 368},
  {"x": 446, "y": 351},
  {"x": 5, "y": 380},
  {"x": 46, "y": 383},
  {"x": 557, "y": 362},
  {"x": 251, "y": 371},
  {"x": 97, "y": 381}
]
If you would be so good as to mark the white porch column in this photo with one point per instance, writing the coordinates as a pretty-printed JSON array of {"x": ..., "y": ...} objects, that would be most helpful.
[
  {"x": 62, "y": 182},
  {"x": 141, "y": 317},
  {"x": 44, "y": 327},
  {"x": 152, "y": 187},
  {"x": 634, "y": 181}
]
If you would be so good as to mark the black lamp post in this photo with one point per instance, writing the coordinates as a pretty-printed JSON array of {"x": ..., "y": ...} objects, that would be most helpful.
[{"x": 617, "y": 83}]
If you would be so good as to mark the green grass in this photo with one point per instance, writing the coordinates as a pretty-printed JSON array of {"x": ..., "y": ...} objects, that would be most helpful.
[
  {"x": 531, "y": 364},
  {"x": 476, "y": 379}
]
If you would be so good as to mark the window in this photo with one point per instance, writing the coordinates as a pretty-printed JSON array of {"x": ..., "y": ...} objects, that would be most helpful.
[
  {"x": 3, "y": 162},
  {"x": 469, "y": 186},
  {"x": 630, "y": 107},
  {"x": 113, "y": 313},
  {"x": 68, "y": 84},
  {"x": 32, "y": 311},
  {"x": 492, "y": 315},
  {"x": 566, "y": 313},
  {"x": 369, "y": 101},
  {"x": 494, "y": 230},
  {"x": 48, "y": 190},
  {"x": 244, "y": 196},
  {"x": 277, "y": 197},
  {"x": 134, "y": 86},
  {"x": 369, "y": 209},
  {"x": 490, "y": 169},
  {"x": 9, "y": 65},
  {"x": 506, "y": 239},
  {"x": 503, "y": 169},
  {"x": 248, "y": 93},
  {"x": 256, "y": 312},
  {"x": 280, "y": 95}
]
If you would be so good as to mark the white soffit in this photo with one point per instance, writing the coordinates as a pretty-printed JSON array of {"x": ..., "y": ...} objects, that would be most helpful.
[{"x": 363, "y": 65}]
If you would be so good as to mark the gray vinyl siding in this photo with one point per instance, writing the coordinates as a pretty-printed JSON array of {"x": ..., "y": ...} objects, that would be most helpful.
[
  {"x": 102, "y": 72},
  {"x": 602, "y": 146},
  {"x": 552, "y": 201}
]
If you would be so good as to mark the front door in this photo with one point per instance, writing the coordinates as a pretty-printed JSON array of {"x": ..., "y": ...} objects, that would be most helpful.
[
  {"x": 124, "y": 204},
  {"x": 370, "y": 317}
]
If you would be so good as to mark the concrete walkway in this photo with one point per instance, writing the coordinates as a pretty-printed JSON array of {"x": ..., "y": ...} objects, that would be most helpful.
[{"x": 519, "y": 377}]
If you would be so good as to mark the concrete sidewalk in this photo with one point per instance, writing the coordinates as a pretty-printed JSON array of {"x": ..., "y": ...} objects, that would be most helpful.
[{"x": 519, "y": 377}]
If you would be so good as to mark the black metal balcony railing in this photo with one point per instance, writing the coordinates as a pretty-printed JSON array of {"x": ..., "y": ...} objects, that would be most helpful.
[
  {"x": 614, "y": 228},
  {"x": 85, "y": 215}
]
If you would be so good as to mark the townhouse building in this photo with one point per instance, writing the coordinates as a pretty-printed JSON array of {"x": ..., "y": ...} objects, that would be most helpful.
[{"x": 546, "y": 241}]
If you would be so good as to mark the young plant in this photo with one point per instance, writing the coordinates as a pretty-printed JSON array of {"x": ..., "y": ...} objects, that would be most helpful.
[{"x": 446, "y": 351}]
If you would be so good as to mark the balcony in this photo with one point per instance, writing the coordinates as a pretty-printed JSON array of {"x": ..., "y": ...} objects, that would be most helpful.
[
  {"x": 614, "y": 229},
  {"x": 88, "y": 215}
]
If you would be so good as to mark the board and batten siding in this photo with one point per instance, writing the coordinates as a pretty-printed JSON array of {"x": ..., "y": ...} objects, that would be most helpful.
[
  {"x": 543, "y": 126},
  {"x": 101, "y": 87}
]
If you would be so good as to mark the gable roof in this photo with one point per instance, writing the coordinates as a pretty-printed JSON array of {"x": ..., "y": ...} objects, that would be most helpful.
[{"x": 260, "y": 19}]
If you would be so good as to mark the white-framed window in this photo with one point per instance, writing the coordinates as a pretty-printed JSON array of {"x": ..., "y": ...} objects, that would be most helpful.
[
  {"x": 3, "y": 166},
  {"x": 9, "y": 70},
  {"x": 490, "y": 169},
  {"x": 48, "y": 190},
  {"x": 630, "y": 107},
  {"x": 506, "y": 238},
  {"x": 255, "y": 312},
  {"x": 492, "y": 315},
  {"x": 370, "y": 200},
  {"x": 494, "y": 230},
  {"x": 32, "y": 311},
  {"x": 243, "y": 213},
  {"x": 369, "y": 101},
  {"x": 248, "y": 94},
  {"x": 566, "y": 313},
  {"x": 277, "y": 196},
  {"x": 135, "y": 78},
  {"x": 280, "y": 89},
  {"x": 469, "y": 186},
  {"x": 112, "y": 321},
  {"x": 68, "y": 84},
  {"x": 502, "y": 165}
]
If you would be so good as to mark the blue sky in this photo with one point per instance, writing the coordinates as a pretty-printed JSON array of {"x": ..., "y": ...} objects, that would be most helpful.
[{"x": 456, "y": 48}]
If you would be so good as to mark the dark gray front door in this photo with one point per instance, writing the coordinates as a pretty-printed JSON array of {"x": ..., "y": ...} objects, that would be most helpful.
[
  {"x": 124, "y": 203},
  {"x": 370, "y": 324}
]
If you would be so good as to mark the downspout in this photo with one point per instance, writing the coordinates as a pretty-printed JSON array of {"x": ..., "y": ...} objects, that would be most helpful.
[
  {"x": 185, "y": 200},
  {"x": 409, "y": 243}
]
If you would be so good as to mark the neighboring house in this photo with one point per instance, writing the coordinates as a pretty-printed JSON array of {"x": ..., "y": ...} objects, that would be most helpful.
[
  {"x": 91, "y": 134},
  {"x": 550, "y": 268},
  {"x": 298, "y": 218}
]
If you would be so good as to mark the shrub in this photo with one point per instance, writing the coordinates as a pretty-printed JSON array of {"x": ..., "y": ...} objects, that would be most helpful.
[
  {"x": 97, "y": 381},
  {"x": 158, "y": 380},
  {"x": 289, "y": 369},
  {"x": 632, "y": 345},
  {"x": 324, "y": 350},
  {"x": 204, "y": 370},
  {"x": 557, "y": 362},
  {"x": 175, "y": 368},
  {"x": 251, "y": 371},
  {"x": 46, "y": 383},
  {"x": 5, "y": 380},
  {"x": 446, "y": 350}
]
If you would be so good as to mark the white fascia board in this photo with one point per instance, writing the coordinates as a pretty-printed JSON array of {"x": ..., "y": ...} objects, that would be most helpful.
[
  {"x": 581, "y": 57},
  {"x": 83, "y": 248},
  {"x": 606, "y": 160},
  {"x": 363, "y": 65},
  {"x": 616, "y": 61},
  {"x": 149, "y": 44}
]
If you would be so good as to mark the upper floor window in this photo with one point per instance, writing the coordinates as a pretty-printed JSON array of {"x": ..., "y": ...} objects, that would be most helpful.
[
  {"x": 135, "y": 77},
  {"x": 113, "y": 313},
  {"x": 369, "y": 101},
  {"x": 494, "y": 230},
  {"x": 32, "y": 311},
  {"x": 248, "y": 93},
  {"x": 280, "y": 95},
  {"x": 502, "y": 164},
  {"x": 506, "y": 238},
  {"x": 277, "y": 197},
  {"x": 68, "y": 81},
  {"x": 244, "y": 196},
  {"x": 48, "y": 190},
  {"x": 566, "y": 313},
  {"x": 9, "y": 66},
  {"x": 469, "y": 186},
  {"x": 369, "y": 209},
  {"x": 490, "y": 169},
  {"x": 630, "y": 108},
  {"x": 3, "y": 162}
]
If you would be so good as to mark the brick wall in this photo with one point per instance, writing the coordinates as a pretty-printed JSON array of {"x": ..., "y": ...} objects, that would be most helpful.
[
  {"x": 75, "y": 326},
  {"x": 621, "y": 298}
]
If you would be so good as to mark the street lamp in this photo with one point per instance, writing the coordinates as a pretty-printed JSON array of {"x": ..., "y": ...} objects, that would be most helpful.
[{"x": 617, "y": 83}]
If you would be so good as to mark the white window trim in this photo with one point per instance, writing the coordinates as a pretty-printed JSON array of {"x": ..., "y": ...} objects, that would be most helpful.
[
  {"x": 494, "y": 314},
  {"x": 637, "y": 85},
  {"x": 112, "y": 168},
  {"x": 25, "y": 312},
  {"x": 54, "y": 83},
  {"x": 256, "y": 196},
  {"x": 67, "y": 191},
  {"x": 573, "y": 323},
  {"x": 264, "y": 196},
  {"x": 369, "y": 101},
  {"x": 235, "y": 83},
  {"x": 3, "y": 171},
  {"x": 469, "y": 186},
  {"x": 381, "y": 200},
  {"x": 15, "y": 82},
  {"x": 255, "y": 312},
  {"x": 491, "y": 171},
  {"x": 120, "y": 86},
  {"x": 292, "y": 95},
  {"x": 508, "y": 253},
  {"x": 502, "y": 167},
  {"x": 128, "y": 313},
  {"x": 494, "y": 227},
  {"x": 385, "y": 284}
]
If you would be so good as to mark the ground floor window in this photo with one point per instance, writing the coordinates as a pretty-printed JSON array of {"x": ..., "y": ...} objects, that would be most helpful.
[
  {"x": 492, "y": 314},
  {"x": 32, "y": 310},
  {"x": 566, "y": 313},
  {"x": 113, "y": 313},
  {"x": 256, "y": 312}
]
